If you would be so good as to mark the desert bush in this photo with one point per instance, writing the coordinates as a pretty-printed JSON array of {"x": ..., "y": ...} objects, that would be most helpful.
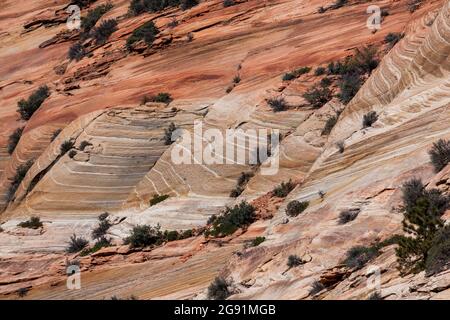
[
  {"x": 76, "y": 52},
  {"x": 341, "y": 146},
  {"x": 319, "y": 71},
  {"x": 349, "y": 86},
  {"x": 13, "y": 139},
  {"x": 20, "y": 174},
  {"x": 104, "y": 31},
  {"x": 277, "y": 104},
  {"x": 171, "y": 235},
  {"x": 187, "y": 4},
  {"x": 282, "y": 190},
  {"x": 144, "y": 236},
  {"x": 316, "y": 287},
  {"x": 422, "y": 224},
  {"x": 257, "y": 241},
  {"x": 438, "y": 256},
  {"x": 329, "y": 125},
  {"x": 22, "y": 292},
  {"x": 218, "y": 289},
  {"x": 440, "y": 154},
  {"x": 363, "y": 61},
  {"x": 187, "y": 234},
  {"x": 55, "y": 134},
  {"x": 101, "y": 242},
  {"x": 82, "y": 3},
  {"x": 90, "y": 20},
  {"x": 32, "y": 223},
  {"x": 413, "y": 5},
  {"x": 65, "y": 147},
  {"x": 162, "y": 97},
  {"x": 168, "y": 133},
  {"x": 348, "y": 216},
  {"x": 325, "y": 82},
  {"x": 369, "y": 119},
  {"x": 358, "y": 256},
  {"x": 158, "y": 198},
  {"x": 240, "y": 215},
  {"x": 26, "y": 108},
  {"x": 338, "y": 4},
  {"x": 318, "y": 96},
  {"x": 146, "y": 32},
  {"x": 375, "y": 296},
  {"x": 228, "y": 3},
  {"x": 237, "y": 79},
  {"x": 84, "y": 144},
  {"x": 296, "y": 73},
  {"x": 243, "y": 179},
  {"x": 294, "y": 261},
  {"x": 103, "y": 216},
  {"x": 76, "y": 244},
  {"x": 392, "y": 38},
  {"x": 140, "y": 6},
  {"x": 101, "y": 230},
  {"x": 72, "y": 153},
  {"x": 294, "y": 208}
]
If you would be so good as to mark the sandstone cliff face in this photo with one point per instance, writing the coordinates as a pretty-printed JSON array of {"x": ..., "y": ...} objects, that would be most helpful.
[{"x": 97, "y": 100}]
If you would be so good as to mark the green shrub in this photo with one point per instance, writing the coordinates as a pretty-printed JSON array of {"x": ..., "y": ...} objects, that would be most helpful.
[
  {"x": 103, "y": 216},
  {"x": 243, "y": 179},
  {"x": 72, "y": 153},
  {"x": 158, "y": 198},
  {"x": 26, "y": 108},
  {"x": 171, "y": 235},
  {"x": 76, "y": 52},
  {"x": 168, "y": 133},
  {"x": 392, "y": 38},
  {"x": 138, "y": 7},
  {"x": 162, "y": 97},
  {"x": 20, "y": 174},
  {"x": 32, "y": 223},
  {"x": 294, "y": 261},
  {"x": 422, "y": 223},
  {"x": 84, "y": 144},
  {"x": 187, "y": 4},
  {"x": 228, "y": 3},
  {"x": 349, "y": 86},
  {"x": 296, "y": 73},
  {"x": 438, "y": 256},
  {"x": 283, "y": 189},
  {"x": 76, "y": 244},
  {"x": 277, "y": 104},
  {"x": 187, "y": 234},
  {"x": 318, "y": 96},
  {"x": 146, "y": 32},
  {"x": 329, "y": 125},
  {"x": 294, "y": 208},
  {"x": 232, "y": 219},
  {"x": 320, "y": 71},
  {"x": 101, "y": 230},
  {"x": 144, "y": 236},
  {"x": 22, "y": 292},
  {"x": 316, "y": 287},
  {"x": 369, "y": 119},
  {"x": 348, "y": 216},
  {"x": 325, "y": 82},
  {"x": 101, "y": 242},
  {"x": 257, "y": 241},
  {"x": 218, "y": 289},
  {"x": 65, "y": 147},
  {"x": 104, "y": 31},
  {"x": 55, "y": 134},
  {"x": 92, "y": 17},
  {"x": 13, "y": 139},
  {"x": 358, "y": 256},
  {"x": 440, "y": 154}
]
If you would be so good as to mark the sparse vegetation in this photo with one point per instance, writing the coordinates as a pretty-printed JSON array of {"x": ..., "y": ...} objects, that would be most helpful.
[
  {"x": 348, "y": 215},
  {"x": 240, "y": 215},
  {"x": 76, "y": 244},
  {"x": 392, "y": 38},
  {"x": 228, "y": 3},
  {"x": 84, "y": 144},
  {"x": 294, "y": 261},
  {"x": 146, "y": 32},
  {"x": 13, "y": 139},
  {"x": 375, "y": 296},
  {"x": 144, "y": 236},
  {"x": 438, "y": 256},
  {"x": 349, "y": 86},
  {"x": 329, "y": 125},
  {"x": 65, "y": 147},
  {"x": 316, "y": 287},
  {"x": 72, "y": 153},
  {"x": 32, "y": 223},
  {"x": 358, "y": 256},
  {"x": 318, "y": 96},
  {"x": 102, "y": 228},
  {"x": 101, "y": 242},
  {"x": 243, "y": 179},
  {"x": 237, "y": 79},
  {"x": 55, "y": 134},
  {"x": 277, "y": 104},
  {"x": 341, "y": 146},
  {"x": 423, "y": 226},
  {"x": 76, "y": 52},
  {"x": 21, "y": 172},
  {"x": 296, "y": 73},
  {"x": 294, "y": 208},
  {"x": 102, "y": 33},
  {"x": 158, "y": 198},
  {"x": 440, "y": 154},
  {"x": 320, "y": 71},
  {"x": 283, "y": 189},
  {"x": 257, "y": 241},
  {"x": 168, "y": 133},
  {"x": 22, "y": 292},
  {"x": 138, "y": 7},
  {"x": 413, "y": 5},
  {"x": 218, "y": 289},
  {"x": 90, "y": 20},
  {"x": 369, "y": 119},
  {"x": 26, "y": 108}
]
